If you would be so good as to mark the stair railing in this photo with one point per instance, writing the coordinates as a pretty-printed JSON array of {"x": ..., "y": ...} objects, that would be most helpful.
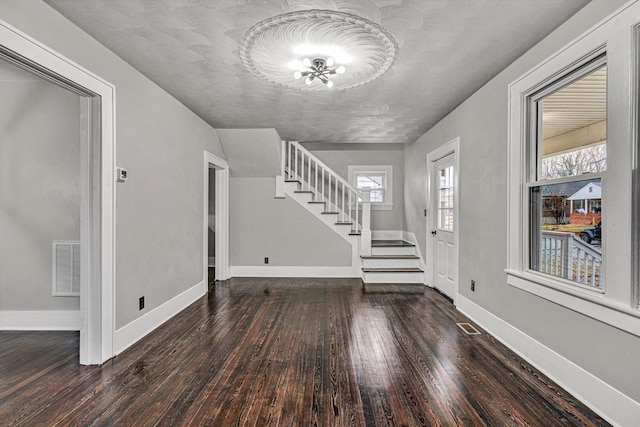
[{"x": 352, "y": 205}]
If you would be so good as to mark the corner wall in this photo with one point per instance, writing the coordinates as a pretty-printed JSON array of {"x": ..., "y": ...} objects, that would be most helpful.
[{"x": 607, "y": 353}]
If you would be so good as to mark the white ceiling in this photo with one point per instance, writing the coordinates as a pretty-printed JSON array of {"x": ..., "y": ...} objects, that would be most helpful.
[{"x": 447, "y": 50}]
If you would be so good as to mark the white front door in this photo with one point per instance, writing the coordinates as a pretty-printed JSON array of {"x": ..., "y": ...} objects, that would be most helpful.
[{"x": 443, "y": 226}]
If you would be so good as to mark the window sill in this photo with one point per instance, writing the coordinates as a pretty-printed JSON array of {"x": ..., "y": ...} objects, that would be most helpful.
[{"x": 591, "y": 304}]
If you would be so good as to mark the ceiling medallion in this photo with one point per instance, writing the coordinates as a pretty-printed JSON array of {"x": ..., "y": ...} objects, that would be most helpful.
[{"x": 306, "y": 43}]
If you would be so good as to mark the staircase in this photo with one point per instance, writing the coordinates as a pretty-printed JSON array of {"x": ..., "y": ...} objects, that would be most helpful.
[{"x": 347, "y": 211}]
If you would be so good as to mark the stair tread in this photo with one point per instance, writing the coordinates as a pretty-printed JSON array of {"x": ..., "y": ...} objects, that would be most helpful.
[
  {"x": 330, "y": 213},
  {"x": 314, "y": 202},
  {"x": 344, "y": 223},
  {"x": 292, "y": 180},
  {"x": 303, "y": 191},
  {"x": 390, "y": 257},
  {"x": 390, "y": 243},
  {"x": 354, "y": 234},
  {"x": 392, "y": 270}
]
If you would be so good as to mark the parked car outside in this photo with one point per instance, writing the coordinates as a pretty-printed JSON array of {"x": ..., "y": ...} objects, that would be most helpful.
[{"x": 592, "y": 233}]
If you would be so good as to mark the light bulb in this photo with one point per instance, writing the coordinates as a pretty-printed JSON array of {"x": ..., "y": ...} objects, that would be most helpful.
[
  {"x": 330, "y": 61},
  {"x": 308, "y": 80},
  {"x": 341, "y": 69},
  {"x": 297, "y": 75},
  {"x": 329, "y": 84},
  {"x": 306, "y": 62}
]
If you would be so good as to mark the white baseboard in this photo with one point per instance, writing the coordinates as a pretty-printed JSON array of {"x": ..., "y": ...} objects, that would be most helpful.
[
  {"x": 129, "y": 334},
  {"x": 275, "y": 271},
  {"x": 611, "y": 404},
  {"x": 386, "y": 234},
  {"x": 67, "y": 320}
]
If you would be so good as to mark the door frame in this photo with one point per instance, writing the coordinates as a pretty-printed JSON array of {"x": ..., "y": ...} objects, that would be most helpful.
[
  {"x": 97, "y": 213},
  {"x": 451, "y": 147},
  {"x": 221, "y": 168}
]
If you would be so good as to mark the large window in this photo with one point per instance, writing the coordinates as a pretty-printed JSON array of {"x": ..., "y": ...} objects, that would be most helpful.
[
  {"x": 568, "y": 160},
  {"x": 573, "y": 221}
]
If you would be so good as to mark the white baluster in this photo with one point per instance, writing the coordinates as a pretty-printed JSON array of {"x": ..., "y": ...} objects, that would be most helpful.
[
  {"x": 295, "y": 163},
  {"x": 289, "y": 159}
]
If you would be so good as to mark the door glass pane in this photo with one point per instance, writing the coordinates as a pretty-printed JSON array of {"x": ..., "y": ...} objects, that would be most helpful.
[{"x": 445, "y": 198}]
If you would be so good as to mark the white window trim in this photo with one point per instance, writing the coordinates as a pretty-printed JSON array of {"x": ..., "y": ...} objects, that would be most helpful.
[
  {"x": 618, "y": 305},
  {"x": 387, "y": 205}
]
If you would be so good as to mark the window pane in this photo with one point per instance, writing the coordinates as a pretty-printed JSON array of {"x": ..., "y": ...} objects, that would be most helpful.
[
  {"x": 566, "y": 234},
  {"x": 574, "y": 128},
  {"x": 369, "y": 181},
  {"x": 375, "y": 182},
  {"x": 377, "y": 196},
  {"x": 445, "y": 199}
]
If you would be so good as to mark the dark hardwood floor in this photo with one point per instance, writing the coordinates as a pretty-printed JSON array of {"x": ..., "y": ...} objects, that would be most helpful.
[{"x": 290, "y": 352}]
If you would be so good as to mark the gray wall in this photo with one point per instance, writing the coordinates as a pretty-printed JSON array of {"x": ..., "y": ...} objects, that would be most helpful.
[
  {"x": 340, "y": 159},
  {"x": 263, "y": 226},
  {"x": 39, "y": 186},
  {"x": 481, "y": 123},
  {"x": 159, "y": 209}
]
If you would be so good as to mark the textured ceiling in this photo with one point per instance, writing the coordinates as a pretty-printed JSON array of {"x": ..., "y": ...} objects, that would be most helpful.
[{"x": 447, "y": 50}]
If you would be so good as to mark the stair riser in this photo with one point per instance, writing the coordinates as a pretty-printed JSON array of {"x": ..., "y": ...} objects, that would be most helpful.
[
  {"x": 391, "y": 250},
  {"x": 413, "y": 277},
  {"x": 391, "y": 263}
]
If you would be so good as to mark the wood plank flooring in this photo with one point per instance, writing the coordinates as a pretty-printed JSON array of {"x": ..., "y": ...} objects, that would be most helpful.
[{"x": 287, "y": 352}]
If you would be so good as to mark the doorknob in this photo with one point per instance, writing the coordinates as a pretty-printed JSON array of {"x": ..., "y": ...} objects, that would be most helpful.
[{"x": 433, "y": 233}]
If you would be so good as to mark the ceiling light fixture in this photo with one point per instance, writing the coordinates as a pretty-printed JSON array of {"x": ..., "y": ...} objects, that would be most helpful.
[
  {"x": 319, "y": 69},
  {"x": 274, "y": 48}
]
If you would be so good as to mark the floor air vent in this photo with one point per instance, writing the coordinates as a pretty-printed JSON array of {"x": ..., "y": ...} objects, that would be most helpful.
[
  {"x": 66, "y": 269},
  {"x": 468, "y": 328}
]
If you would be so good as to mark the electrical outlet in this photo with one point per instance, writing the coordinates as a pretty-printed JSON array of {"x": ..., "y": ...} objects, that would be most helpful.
[
  {"x": 266, "y": 260},
  {"x": 141, "y": 303},
  {"x": 473, "y": 285}
]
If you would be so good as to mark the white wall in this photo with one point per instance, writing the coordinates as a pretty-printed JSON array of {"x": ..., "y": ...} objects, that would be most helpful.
[
  {"x": 39, "y": 186},
  {"x": 263, "y": 226},
  {"x": 159, "y": 210},
  {"x": 340, "y": 159},
  {"x": 481, "y": 123}
]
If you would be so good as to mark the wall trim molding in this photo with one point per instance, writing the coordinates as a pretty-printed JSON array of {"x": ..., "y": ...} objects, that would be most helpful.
[
  {"x": 51, "y": 320},
  {"x": 608, "y": 402},
  {"x": 295, "y": 271},
  {"x": 131, "y": 333}
]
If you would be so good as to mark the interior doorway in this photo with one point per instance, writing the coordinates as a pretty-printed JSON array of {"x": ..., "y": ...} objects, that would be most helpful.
[
  {"x": 216, "y": 220},
  {"x": 41, "y": 133},
  {"x": 442, "y": 220},
  {"x": 212, "y": 228},
  {"x": 96, "y": 248}
]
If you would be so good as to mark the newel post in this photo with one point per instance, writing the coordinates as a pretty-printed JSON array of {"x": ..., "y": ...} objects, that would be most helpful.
[
  {"x": 365, "y": 233},
  {"x": 283, "y": 168}
]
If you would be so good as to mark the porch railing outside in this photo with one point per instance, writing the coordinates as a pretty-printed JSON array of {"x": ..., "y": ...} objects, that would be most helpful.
[{"x": 564, "y": 255}]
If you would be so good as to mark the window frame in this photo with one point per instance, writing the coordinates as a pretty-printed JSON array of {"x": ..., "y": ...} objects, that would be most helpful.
[
  {"x": 618, "y": 38},
  {"x": 384, "y": 170}
]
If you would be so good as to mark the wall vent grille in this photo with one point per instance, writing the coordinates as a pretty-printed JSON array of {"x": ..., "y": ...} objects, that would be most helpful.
[
  {"x": 66, "y": 269},
  {"x": 468, "y": 328}
]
